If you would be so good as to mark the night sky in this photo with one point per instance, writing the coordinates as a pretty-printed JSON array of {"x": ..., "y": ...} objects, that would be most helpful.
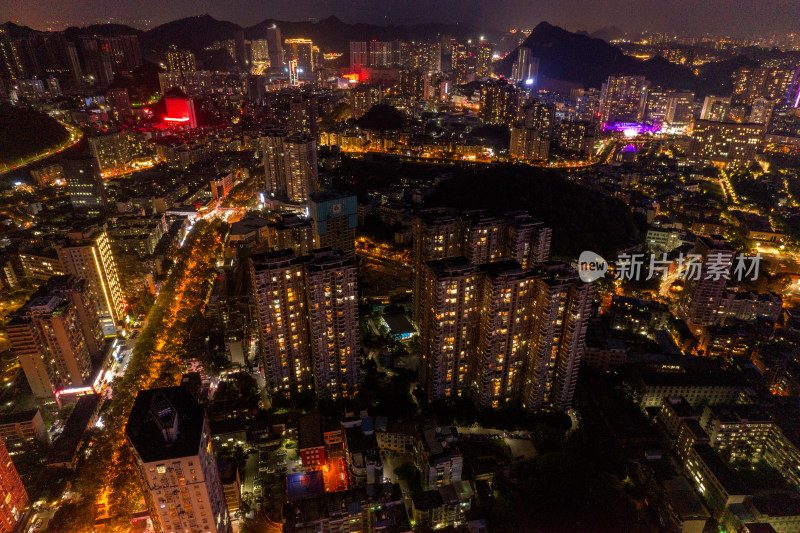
[{"x": 736, "y": 17}]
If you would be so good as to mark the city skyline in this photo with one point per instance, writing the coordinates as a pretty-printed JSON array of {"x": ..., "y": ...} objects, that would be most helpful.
[
  {"x": 715, "y": 17},
  {"x": 350, "y": 275}
]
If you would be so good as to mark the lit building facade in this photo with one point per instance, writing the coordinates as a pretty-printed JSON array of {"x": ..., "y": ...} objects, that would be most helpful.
[
  {"x": 448, "y": 326},
  {"x": 277, "y": 279},
  {"x": 530, "y": 137},
  {"x": 771, "y": 83},
  {"x": 500, "y": 102},
  {"x": 724, "y": 144},
  {"x": 302, "y": 51},
  {"x": 506, "y": 309},
  {"x": 168, "y": 435},
  {"x": 331, "y": 284},
  {"x": 425, "y": 56},
  {"x": 437, "y": 235},
  {"x": 88, "y": 256},
  {"x": 87, "y": 192},
  {"x": 111, "y": 150},
  {"x": 301, "y": 167},
  {"x": 180, "y": 108},
  {"x": 303, "y": 116},
  {"x": 359, "y": 56},
  {"x": 363, "y": 98},
  {"x": 335, "y": 218},
  {"x": 48, "y": 340},
  {"x": 560, "y": 318},
  {"x": 180, "y": 60},
  {"x": 702, "y": 297},
  {"x": 13, "y": 498},
  {"x": 290, "y": 165},
  {"x": 623, "y": 99}
]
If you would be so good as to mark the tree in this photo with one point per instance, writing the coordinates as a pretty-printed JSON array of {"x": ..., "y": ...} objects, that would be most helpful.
[{"x": 72, "y": 517}]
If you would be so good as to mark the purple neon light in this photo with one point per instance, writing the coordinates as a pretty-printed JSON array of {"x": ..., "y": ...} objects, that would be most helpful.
[{"x": 638, "y": 126}]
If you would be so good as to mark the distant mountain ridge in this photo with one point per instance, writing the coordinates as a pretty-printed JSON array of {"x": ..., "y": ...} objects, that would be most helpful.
[
  {"x": 577, "y": 58},
  {"x": 195, "y": 33}
]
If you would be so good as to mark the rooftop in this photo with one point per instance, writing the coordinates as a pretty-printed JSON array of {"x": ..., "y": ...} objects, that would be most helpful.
[
  {"x": 731, "y": 482},
  {"x": 165, "y": 423},
  {"x": 310, "y": 431}
]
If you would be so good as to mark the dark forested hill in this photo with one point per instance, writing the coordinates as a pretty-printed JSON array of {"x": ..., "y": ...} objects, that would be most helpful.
[
  {"x": 25, "y": 132},
  {"x": 581, "y": 219},
  {"x": 581, "y": 59}
]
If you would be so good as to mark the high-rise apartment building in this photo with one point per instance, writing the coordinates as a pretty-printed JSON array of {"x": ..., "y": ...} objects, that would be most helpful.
[
  {"x": 260, "y": 51},
  {"x": 290, "y": 165},
  {"x": 359, "y": 56},
  {"x": 561, "y": 311},
  {"x": 702, "y": 296},
  {"x": 120, "y": 101},
  {"x": 482, "y": 237},
  {"x": 725, "y": 144},
  {"x": 48, "y": 340},
  {"x": 307, "y": 312},
  {"x": 301, "y": 167},
  {"x": 277, "y": 279},
  {"x": 530, "y": 137},
  {"x": 385, "y": 54},
  {"x": 679, "y": 109},
  {"x": 425, "y": 56},
  {"x": 334, "y": 218},
  {"x": 98, "y": 61},
  {"x": 461, "y": 63},
  {"x": 180, "y": 60},
  {"x": 623, "y": 99},
  {"x": 715, "y": 108},
  {"x": 502, "y": 333},
  {"x": 363, "y": 98},
  {"x": 437, "y": 235},
  {"x": 527, "y": 240},
  {"x": 656, "y": 106},
  {"x": 13, "y": 498},
  {"x": 42, "y": 55},
  {"x": 273, "y": 150},
  {"x": 111, "y": 150},
  {"x": 292, "y": 232},
  {"x": 576, "y": 136},
  {"x": 302, "y": 51},
  {"x": 331, "y": 284},
  {"x": 167, "y": 433},
  {"x": 761, "y": 111},
  {"x": 483, "y": 59},
  {"x": 587, "y": 107},
  {"x": 448, "y": 323},
  {"x": 440, "y": 234},
  {"x": 275, "y": 47},
  {"x": 78, "y": 293},
  {"x": 87, "y": 255},
  {"x": 500, "y": 102},
  {"x": 87, "y": 192},
  {"x": 415, "y": 84},
  {"x": 303, "y": 116},
  {"x": 771, "y": 83},
  {"x": 505, "y": 295},
  {"x": 526, "y": 67}
]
